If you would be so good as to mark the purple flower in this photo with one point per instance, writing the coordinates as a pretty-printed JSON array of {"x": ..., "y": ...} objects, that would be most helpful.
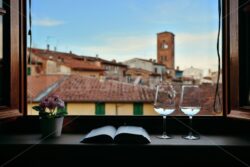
[
  {"x": 51, "y": 102},
  {"x": 60, "y": 103}
]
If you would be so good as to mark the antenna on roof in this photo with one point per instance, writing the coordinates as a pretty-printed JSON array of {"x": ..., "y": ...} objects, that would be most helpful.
[{"x": 48, "y": 47}]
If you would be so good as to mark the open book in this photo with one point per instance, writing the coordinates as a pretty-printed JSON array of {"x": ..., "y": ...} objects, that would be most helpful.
[{"x": 122, "y": 135}]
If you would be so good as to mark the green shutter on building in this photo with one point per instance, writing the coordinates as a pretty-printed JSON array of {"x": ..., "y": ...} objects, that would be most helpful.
[
  {"x": 100, "y": 109},
  {"x": 138, "y": 108},
  {"x": 28, "y": 71}
]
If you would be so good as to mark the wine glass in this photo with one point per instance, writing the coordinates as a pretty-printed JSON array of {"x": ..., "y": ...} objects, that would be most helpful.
[
  {"x": 190, "y": 105},
  {"x": 164, "y": 103}
]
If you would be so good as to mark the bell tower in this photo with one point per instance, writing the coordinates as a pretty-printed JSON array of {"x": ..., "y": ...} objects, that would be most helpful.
[{"x": 165, "y": 49}]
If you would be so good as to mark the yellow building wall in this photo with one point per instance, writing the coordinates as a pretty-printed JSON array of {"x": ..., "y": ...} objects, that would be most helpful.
[
  {"x": 110, "y": 109},
  {"x": 125, "y": 108},
  {"x": 148, "y": 109},
  {"x": 30, "y": 110},
  {"x": 81, "y": 108},
  {"x": 89, "y": 109}
]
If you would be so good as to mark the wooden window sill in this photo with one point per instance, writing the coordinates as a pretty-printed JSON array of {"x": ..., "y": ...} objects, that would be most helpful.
[
  {"x": 177, "y": 140},
  {"x": 245, "y": 114},
  {"x": 9, "y": 114},
  {"x": 210, "y": 150}
]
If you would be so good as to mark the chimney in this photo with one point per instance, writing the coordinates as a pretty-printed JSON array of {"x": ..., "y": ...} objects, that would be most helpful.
[
  {"x": 55, "y": 48},
  {"x": 178, "y": 68},
  {"x": 48, "y": 47},
  {"x": 70, "y": 52},
  {"x": 97, "y": 56}
]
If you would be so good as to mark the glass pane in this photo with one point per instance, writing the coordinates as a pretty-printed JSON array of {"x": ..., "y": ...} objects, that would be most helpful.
[{"x": 117, "y": 54}]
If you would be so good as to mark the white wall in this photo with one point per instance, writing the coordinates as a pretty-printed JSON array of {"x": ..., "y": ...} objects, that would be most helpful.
[{"x": 137, "y": 63}]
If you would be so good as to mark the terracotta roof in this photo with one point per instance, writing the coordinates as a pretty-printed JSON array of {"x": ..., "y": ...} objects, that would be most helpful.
[
  {"x": 38, "y": 84},
  {"x": 103, "y": 61},
  {"x": 68, "y": 59},
  {"x": 82, "y": 65},
  {"x": 78, "y": 88}
]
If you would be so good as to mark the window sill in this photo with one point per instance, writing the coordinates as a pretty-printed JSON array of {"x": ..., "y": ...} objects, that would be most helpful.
[
  {"x": 67, "y": 149},
  {"x": 177, "y": 140},
  {"x": 245, "y": 114}
]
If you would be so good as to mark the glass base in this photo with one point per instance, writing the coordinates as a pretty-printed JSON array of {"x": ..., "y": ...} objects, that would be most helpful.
[
  {"x": 164, "y": 137},
  {"x": 191, "y": 137}
]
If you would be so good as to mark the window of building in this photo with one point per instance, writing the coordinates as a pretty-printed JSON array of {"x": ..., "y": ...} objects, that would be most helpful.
[
  {"x": 100, "y": 108},
  {"x": 14, "y": 96},
  {"x": 156, "y": 70},
  {"x": 162, "y": 58},
  {"x": 138, "y": 109},
  {"x": 165, "y": 58},
  {"x": 28, "y": 71}
]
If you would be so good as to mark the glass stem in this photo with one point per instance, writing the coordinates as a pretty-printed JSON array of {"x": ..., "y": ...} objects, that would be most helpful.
[
  {"x": 164, "y": 126},
  {"x": 190, "y": 126}
]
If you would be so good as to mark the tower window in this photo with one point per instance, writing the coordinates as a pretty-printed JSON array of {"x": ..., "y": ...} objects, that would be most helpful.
[{"x": 164, "y": 45}]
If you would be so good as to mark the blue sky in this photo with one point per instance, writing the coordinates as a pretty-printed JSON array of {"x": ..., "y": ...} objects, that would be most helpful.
[{"x": 124, "y": 29}]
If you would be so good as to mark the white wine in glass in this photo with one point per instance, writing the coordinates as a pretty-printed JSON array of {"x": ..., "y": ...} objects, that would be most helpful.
[
  {"x": 190, "y": 105},
  {"x": 164, "y": 103}
]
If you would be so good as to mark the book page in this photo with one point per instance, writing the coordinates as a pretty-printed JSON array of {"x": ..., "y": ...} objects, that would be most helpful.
[
  {"x": 105, "y": 130},
  {"x": 134, "y": 130}
]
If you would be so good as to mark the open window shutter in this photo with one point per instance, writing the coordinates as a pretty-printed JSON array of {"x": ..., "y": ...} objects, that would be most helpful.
[{"x": 14, "y": 49}]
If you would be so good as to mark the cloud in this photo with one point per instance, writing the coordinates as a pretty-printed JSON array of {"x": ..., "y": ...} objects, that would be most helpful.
[
  {"x": 124, "y": 47},
  {"x": 47, "y": 22},
  {"x": 199, "y": 37}
]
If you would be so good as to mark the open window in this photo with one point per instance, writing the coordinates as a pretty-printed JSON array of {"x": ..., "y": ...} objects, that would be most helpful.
[
  {"x": 12, "y": 43},
  {"x": 13, "y": 63}
]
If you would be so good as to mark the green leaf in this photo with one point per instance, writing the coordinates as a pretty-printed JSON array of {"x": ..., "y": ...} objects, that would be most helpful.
[
  {"x": 44, "y": 114},
  {"x": 61, "y": 112},
  {"x": 38, "y": 108}
]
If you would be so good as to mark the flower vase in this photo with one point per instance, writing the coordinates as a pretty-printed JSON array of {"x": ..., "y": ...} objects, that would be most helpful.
[{"x": 51, "y": 127}]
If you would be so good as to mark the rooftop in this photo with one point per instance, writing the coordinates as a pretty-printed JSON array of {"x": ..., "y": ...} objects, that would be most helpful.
[
  {"x": 39, "y": 84},
  {"x": 165, "y": 32},
  {"x": 68, "y": 59},
  {"x": 86, "y": 89}
]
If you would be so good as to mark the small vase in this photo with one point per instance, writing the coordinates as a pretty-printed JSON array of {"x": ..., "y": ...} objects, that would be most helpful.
[{"x": 51, "y": 127}]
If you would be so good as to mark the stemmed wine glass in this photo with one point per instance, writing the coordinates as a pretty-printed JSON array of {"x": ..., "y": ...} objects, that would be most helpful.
[
  {"x": 164, "y": 103},
  {"x": 190, "y": 105}
]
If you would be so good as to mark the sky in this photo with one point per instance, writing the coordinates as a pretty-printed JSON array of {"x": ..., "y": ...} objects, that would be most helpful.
[{"x": 125, "y": 29}]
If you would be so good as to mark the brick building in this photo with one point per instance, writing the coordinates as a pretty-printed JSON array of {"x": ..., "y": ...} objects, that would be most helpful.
[{"x": 166, "y": 49}]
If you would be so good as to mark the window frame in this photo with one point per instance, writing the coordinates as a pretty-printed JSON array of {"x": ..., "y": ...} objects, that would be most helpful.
[
  {"x": 229, "y": 61},
  {"x": 232, "y": 66},
  {"x": 14, "y": 28}
]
